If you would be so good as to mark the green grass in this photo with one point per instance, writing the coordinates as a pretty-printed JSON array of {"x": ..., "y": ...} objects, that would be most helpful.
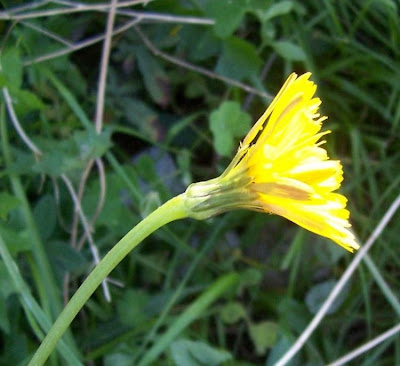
[{"x": 156, "y": 139}]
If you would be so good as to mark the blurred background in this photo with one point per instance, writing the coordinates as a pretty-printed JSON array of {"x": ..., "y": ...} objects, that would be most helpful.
[{"x": 107, "y": 110}]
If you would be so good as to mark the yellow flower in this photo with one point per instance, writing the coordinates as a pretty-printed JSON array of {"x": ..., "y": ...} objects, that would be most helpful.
[{"x": 281, "y": 168}]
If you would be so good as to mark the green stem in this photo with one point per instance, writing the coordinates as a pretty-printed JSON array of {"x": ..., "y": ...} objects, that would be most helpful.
[
  {"x": 36, "y": 317},
  {"x": 192, "y": 312},
  {"x": 45, "y": 283},
  {"x": 172, "y": 210}
]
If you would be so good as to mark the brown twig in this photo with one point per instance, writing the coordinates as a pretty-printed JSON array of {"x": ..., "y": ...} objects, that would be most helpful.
[
  {"x": 104, "y": 67},
  {"x": 157, "y": 52},
  {"x": 66, "y": 180},
  {"x": 98, "y": 125},
  {"x": 72, "y": 7},
  {"x": 100, "y": 201},
  {"x": 79, "y": 45}
]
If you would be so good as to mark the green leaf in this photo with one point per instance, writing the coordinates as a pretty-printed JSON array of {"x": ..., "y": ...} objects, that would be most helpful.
[
  {"x": 11, "y": 69},
  {"x": 67, "y": 258},
  {"x": 289, "y": 51},
  {"x": 16, "y": 349},
  {"x": 280, "y": 8},
  {"x": 317, "y": 295},
  {"x": 232, "y": 312},
  {"x": 59, "y": 156},
  {"x": 17, "y": 241},
  {"x": 279, "y": 349},
  {"x": 190, "y": 314},
  {"x": 149, "y": 203},
  {"x": 54, "y": 164},
  {"x": 6, "y": 285},
  {"x": 92, "y": 145},
  {"x": 131, "y": 307},
  {"x": 117, "y": 202},
  {"x": 251, "y": 277},
  {"x": 8, "y": 202},
  {"x": 118, "y": 359},
  {"x": 156, "y": 81},
  {"x": 294, "y": 313},
  {"x": 6, "y": 289},
  {"x": 227, "y": 14},
  {"x": 263, "y": 335},
  {"x": 142, "y": 116},
  {"x": 45, "y": 213},
  {"x": 227, "y": 123},
  {"x": 4, "y": 322},
  {"x": 206, "y": 46},
  {"x": 189, "y": 353},
  {"x": 23, "y": 162},
  {"x": 67, "y": 155},
  {"x": 239, "y": 60},
  {"x": 25, "y": 101},
  {"x": 268, "y": 32}
]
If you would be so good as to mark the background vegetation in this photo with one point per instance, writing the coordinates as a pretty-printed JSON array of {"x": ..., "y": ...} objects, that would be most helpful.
[{"x": 184, "y": 81}]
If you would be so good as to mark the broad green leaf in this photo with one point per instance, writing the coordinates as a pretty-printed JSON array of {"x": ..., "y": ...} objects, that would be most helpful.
[
  {"x": 227, "y": 14},
  {"x": 239, "y": 60},
  {"x": 317, "y": 295},
  {"x": 232, "y": 312},
  {"x": 7, "y": 203},
  {"x": 263, "y": 335},
  {"x": 228, "y": 123},
  {"x": 289, "y": 51},
  {"x": 11, "y": 69},
  {"x": 190, "y": 353}
]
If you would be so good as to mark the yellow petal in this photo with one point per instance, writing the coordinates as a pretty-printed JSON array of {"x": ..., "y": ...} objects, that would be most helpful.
[{"x": 282, "y": 168}]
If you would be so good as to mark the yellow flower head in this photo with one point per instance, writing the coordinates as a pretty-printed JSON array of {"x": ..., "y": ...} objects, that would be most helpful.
[{"x": 281, "y": 168}]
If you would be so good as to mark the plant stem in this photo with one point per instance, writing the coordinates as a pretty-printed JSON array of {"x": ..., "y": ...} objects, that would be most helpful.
[
  {"x": 36, "y": 317},
  {"x": 172, "y": 210},
  {"x": 43, "y": 275}
]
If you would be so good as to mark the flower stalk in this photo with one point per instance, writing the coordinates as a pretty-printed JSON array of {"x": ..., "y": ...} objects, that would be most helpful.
[
  {"x": 173, "y": 209},
  {"x": 279, "y": 168}
]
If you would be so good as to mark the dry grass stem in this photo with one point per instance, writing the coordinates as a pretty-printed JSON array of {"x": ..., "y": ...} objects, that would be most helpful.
[{"x": 340, "y": 285}]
